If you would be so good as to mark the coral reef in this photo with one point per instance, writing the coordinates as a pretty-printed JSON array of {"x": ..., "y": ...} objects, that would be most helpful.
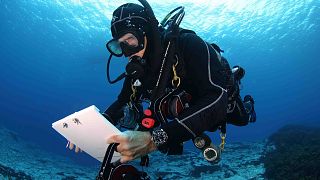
[{"x": 296, "y": 153}]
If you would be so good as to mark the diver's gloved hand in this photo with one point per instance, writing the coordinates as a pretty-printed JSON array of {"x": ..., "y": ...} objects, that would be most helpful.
[
  {"x": 132, "y": 144},
  {"x": 71, "y": 146}
]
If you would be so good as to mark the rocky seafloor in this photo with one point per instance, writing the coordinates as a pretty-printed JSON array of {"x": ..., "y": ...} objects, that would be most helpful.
[
  {"x": 247, "y": 160},
  {"x": 21, "y": 160}
]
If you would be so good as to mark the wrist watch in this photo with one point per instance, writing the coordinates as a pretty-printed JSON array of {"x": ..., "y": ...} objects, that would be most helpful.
[{"x": 159, "y": 137}]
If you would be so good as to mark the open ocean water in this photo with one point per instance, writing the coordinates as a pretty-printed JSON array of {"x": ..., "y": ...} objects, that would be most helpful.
[{"x": 53, "y": 63}]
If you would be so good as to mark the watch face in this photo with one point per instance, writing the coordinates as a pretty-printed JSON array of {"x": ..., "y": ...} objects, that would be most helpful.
[
  {"x": 159, "y": 137},
  {"x": 199, "y": 142}
]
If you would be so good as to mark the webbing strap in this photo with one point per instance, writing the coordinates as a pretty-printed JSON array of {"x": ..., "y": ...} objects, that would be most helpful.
[{"x": 106, "y": 166}]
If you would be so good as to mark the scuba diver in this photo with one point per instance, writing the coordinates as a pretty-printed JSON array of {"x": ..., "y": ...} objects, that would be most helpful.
[
  {"x": 201, "y": 75},
  {"x": 188, "y": 86},
  {"x": 195, "y": 63}
]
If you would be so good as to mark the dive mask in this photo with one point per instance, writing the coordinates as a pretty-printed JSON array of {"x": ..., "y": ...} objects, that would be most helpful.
[
  {"x": 129, "y": 44},
  {"x": 114, "y": 48}
]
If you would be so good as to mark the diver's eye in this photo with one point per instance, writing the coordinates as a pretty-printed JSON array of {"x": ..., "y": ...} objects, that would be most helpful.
[{"x": 132, "y": 41}]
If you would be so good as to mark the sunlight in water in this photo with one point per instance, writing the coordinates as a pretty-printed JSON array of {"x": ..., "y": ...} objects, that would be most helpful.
[
  {"x": 241, "y": 18},
  {"x": 76, "y": 2}
]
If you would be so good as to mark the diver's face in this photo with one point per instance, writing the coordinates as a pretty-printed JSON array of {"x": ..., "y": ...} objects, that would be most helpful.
[{"x": 130, "y": 40}]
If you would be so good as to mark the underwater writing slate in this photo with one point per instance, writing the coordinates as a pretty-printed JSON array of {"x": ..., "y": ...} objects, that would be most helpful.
[{"x": 88, "y": 130}]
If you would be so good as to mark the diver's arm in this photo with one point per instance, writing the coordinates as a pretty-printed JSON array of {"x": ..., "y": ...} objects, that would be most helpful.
[
  {"x": 114, "y": 111},
  {"x": 208, "y": 109}
]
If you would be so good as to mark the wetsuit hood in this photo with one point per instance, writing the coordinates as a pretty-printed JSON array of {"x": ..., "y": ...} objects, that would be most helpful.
[{"x": 136, "y": 19}]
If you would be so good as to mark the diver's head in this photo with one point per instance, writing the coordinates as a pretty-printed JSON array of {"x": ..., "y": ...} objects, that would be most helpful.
[
  {"x": 130, "y": 45},
  {"x": 129, "y": 27}
]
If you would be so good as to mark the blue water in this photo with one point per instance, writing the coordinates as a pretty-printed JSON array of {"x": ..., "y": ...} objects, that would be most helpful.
[{"x": 53, "y": 60}]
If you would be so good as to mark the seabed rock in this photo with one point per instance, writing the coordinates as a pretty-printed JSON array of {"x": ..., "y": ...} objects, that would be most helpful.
[
  {"x": 22, "y": 160},
  {"x": 294, "y": 153}
]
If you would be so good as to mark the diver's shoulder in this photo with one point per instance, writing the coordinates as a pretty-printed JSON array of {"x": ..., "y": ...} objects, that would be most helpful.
[
  {"x": 189, "y": 41},
  {"x": 189, "y": 35}
]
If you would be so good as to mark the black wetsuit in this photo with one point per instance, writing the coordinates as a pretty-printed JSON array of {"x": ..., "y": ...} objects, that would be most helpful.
[{"x": 203, "y": 77}]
